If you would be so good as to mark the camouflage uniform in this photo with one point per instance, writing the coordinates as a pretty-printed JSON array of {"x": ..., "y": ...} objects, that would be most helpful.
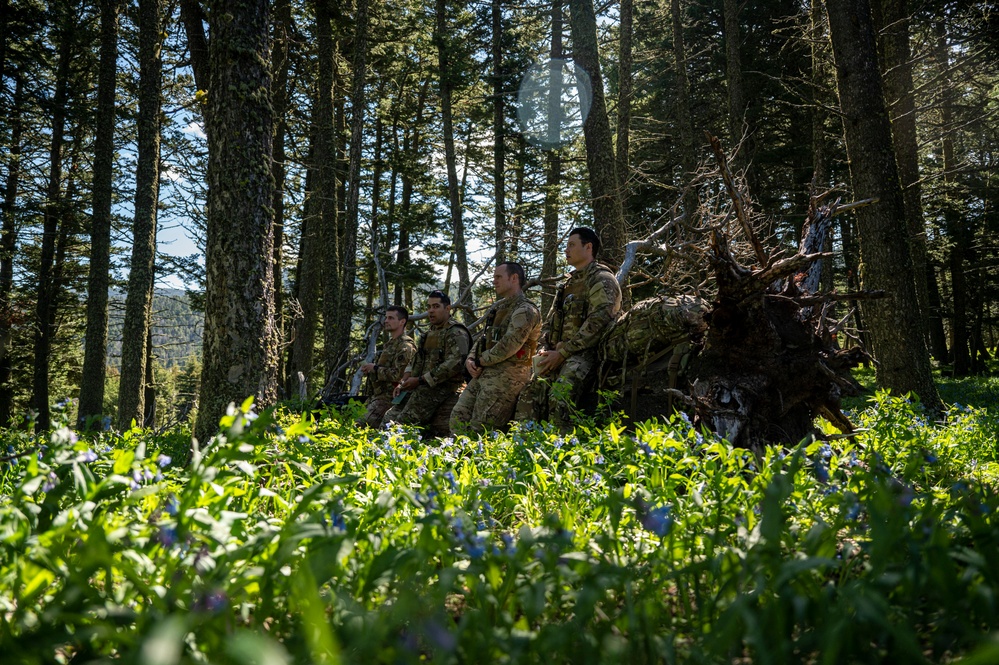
[
  {"x": 504, "y": 352},
  {"x": 440, "y": 362},
  {"x": 584, "y": 308},
  {"x": 389, "y": 367}
]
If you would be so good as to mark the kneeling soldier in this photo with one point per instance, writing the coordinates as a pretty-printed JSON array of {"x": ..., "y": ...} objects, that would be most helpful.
[
  {"x": 437, "y": 370},
  {"x": 385, "y": 372},
  {"x": 584, "y": 307},
  {"x": 500, "y": 363}
]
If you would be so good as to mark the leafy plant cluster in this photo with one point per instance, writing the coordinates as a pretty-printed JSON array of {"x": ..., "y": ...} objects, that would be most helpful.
[{"x": 293, "y": 540}]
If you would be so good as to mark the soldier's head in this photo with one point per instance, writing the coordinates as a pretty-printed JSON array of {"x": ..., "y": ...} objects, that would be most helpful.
[
  {"x": 396, "y": 318},
  {"x": 438, "y": 307},
  {"x": 582, "y": 247},
  {"x": 508, "y": 279}
]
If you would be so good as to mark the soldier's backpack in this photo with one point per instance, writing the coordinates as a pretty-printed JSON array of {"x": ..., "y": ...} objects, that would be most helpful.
[{"x": 648, "y": 331}]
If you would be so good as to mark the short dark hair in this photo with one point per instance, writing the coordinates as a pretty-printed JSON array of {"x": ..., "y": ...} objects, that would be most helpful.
[
  {"x": 400, "y": 310},
  {"x": 587, "y": 235},
  {"x": 514, "y": 268},
  {"x": 440, "y": 295}
]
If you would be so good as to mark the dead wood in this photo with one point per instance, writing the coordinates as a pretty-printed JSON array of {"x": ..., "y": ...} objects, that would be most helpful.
[{"x": 767, "y": 363}]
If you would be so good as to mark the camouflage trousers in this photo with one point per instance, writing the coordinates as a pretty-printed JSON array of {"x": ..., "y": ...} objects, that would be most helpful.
[
  {"x": 378, "y": 406},
  {"x": 420, "y": 405},
  {"x": 556, "y": 397},
  {"x": 489, "y": 400}
]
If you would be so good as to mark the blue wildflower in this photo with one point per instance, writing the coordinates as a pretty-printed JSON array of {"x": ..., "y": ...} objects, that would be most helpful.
[
  {"x": 167, "y": 536},
  {"x": 658, "y": 520},
  {"x": 164, "y": 461}
]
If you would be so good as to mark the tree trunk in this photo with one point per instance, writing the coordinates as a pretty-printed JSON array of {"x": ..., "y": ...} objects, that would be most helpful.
[
  {"x": 8, "y": 246},
  {"x": 357, "y": 103},
  {"x": 193, "y": 18},
  {"x": 50, "y": 227},
  {"x": 138, "y": 301},
  {"x": 733, "y": 76},
  {"x": 819, "y": 78},
  {"x": 324, "y": 166},
  {"x": 517, "y": 218},
  {"x": 892, "y": 18},
  {"x": 959, "y": 256},
  {"x": 499, "y": 152},
  {"x": 91, "y": 405},
  {"x": 608, "y": 216},
  {"x": 240, "y": 341},
  {"x": 377, "y": 168},
  {"x": 903, "y": 364},
  {"x": 938, "y": 336},
  {"x": 553, "y": 172},
  {"x": 307, "y": 289},
  {"x": 149, "y": 383},
  {"x": 279, "y": 96},
  {"x": 457, "y": 225},
  {"x": 688, "y": 158},
  {"x": 625, "y": 91}
]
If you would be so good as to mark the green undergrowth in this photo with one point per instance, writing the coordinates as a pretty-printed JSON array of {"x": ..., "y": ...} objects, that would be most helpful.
[{"x": 293, "y": 540}]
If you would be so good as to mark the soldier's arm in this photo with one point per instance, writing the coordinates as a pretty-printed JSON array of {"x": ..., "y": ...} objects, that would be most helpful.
[
  {"x": 604, "y": 299},
  {"x": 523, "y": 321},
  {"x": 455, "y": 352}
]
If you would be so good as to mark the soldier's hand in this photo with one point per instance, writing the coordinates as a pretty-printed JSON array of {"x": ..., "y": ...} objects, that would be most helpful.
[
  {"x": 396, "y": 390},
  {"x": 552, "y": 361},
  {"x": 472, "y": 368},
  {"x": 367, "y": 368},
  {"x": 410, "y": 383}
]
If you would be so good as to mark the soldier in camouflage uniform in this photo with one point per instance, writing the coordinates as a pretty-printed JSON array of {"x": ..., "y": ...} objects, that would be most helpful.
[
  {"x": 585, "y": 306},
  {"x": 500, "y": 363},
  {"x": 437, "y": 370},
  {"x": 384, "y": 374}
]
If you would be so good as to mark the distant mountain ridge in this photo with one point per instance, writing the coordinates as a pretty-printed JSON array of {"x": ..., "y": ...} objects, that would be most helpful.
[{"x": 177, "y": 328}]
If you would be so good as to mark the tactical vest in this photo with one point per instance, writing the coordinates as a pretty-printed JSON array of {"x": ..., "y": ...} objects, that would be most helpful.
[
  {"x": 496, "y": 327},
  {"x": 572, "y": 304},
  {"x": 432, "y": 346}
]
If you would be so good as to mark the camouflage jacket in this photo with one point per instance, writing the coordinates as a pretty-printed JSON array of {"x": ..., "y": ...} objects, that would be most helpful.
[
  {"x": 513, "y": 326},
  {"x": 440, "y": 355},
  {"x": 390, "y": 364},
  {"x": 584, "y": 308}
]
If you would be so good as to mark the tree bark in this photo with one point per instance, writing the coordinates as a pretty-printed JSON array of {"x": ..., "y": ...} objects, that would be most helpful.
[
  {"x": 324, "y": 166},
  {"x": 138, "y": 300},
  {"x": 91, "y": 405},
  {"x": 279, "y": 100},
  {"x": 733, "y": 76},
  {"x": 446, "y": 83},
  {"x": 499, "y": 147},
  {"x": 193, "y": 17},
  {"x": 553, "y": 172},
  {"x": 625, "y": 91},
  {"x": 685, "y": 124},
  {"x": 960, "y": 255},
  {"x": 50, "y": 226},
  {"x": 892, "y": 19},
  {"x": 240, "y": 341},
  {"x": 307, "y": 288},
  {"x": 903, "y": 364},
  {"x": 359, "y": 71},
  {"x": 608, "y": 216},
  {"x": 8, "y": 246}
]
